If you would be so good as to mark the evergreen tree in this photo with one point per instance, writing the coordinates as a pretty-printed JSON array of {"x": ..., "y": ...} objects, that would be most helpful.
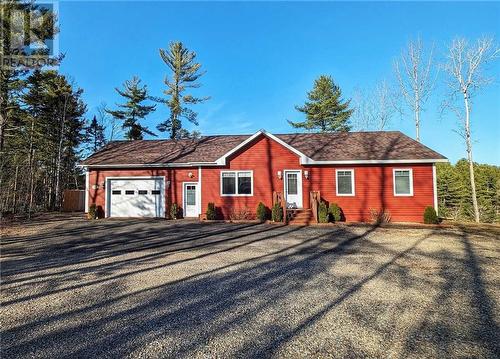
[
  {"x": 94, "y": 135},
  {"x": 325, "y": 109},
  {"x": 185, "y": 73},
  {"x": 133, "y": 110}
]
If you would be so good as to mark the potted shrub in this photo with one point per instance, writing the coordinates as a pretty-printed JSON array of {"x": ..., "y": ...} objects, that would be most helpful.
[
  {"x": 277, "y": 213},
  {"x": 322, "y": 213},
  {"x": 92, "y": 214},
  {"x": 430, "y": 215},
  {"x": 261, "y": 212},
  {"x": 335, "y": 212},
  {"x": 211, "y": 213}
]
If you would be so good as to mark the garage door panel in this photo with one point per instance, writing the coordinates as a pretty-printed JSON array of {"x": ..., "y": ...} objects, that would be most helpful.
[{"x": 137, "y": 197}]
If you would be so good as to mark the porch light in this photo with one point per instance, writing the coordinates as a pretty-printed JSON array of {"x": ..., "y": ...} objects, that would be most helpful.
[
  {"x": 190, "y": 175},
  {"x": 95, "y": 186},
  {"x": 279, "y": 174},
  {"x": 306, "y": 174},
  {"x": 167, "y": 183}
]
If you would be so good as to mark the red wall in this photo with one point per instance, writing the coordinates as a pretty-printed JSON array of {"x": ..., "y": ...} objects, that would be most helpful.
[{"x": 373, "y": 184}]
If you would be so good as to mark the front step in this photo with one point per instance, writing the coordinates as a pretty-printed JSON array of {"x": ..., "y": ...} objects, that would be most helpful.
[{"x": 300, "y": 217}]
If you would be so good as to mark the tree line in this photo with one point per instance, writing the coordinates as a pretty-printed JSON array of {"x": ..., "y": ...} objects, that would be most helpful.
[{"x": 44, "y": 131}]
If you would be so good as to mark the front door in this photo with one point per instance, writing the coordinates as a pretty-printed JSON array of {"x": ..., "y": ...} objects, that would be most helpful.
[
  {"x": 293, "y": 189},
  {"x": 190, "y": 200}
]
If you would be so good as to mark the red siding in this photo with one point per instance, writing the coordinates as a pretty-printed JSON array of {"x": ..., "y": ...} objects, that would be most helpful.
[{"x": 265, "y": 157}]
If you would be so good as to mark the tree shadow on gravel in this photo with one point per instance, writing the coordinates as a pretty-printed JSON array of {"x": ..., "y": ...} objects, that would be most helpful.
[{"x": 251, "y": 307}]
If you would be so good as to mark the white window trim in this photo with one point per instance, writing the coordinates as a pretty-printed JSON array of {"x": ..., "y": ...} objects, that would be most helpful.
[
  {"x": 236, "y": 194},
  {"x": 352, "y": 182},
  {"x": 410, "y": 170}
]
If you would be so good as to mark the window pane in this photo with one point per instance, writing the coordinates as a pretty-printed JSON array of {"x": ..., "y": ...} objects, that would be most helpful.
[
  {"x": 228, "y": 183},
  {"x": 191, "y": 195},
  {"x": 143, "y": 191},
  {"x": 129, "y": 192},
  {"x": 116, "y": 191},
  {"x": 402, "y": 184},
  {"x": 344, "y": 182},
  {"x": 155, "y": 191},
  {"x": 291, "y": 183},
  {"x": 244, "y": 183}
]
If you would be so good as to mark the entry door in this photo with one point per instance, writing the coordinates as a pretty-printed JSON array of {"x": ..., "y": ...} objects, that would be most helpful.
[
  {"x": 190, "y": 200},
  {"x": 293, "y": 189}
]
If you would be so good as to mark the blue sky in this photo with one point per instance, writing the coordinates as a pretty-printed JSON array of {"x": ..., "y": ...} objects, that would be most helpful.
[{"x": 262, "y": 58}]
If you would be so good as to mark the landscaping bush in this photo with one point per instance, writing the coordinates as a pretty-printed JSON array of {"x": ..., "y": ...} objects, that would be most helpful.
[
  {"x": 380, "y": 216},
  {"x": 92, "y": 214},
  {"x": 241, "y": 214},
  {"x": 174, "y": 211},
  {"x": 335, "y": 212},
  {"x": 277, "y": 213},
  {"x": 430, "y": 215},
  {"x": 262, "y": 212},
  {"x": 211, "y": 213},
  {"x": 99, "y": 213},
  {"x": 322, "y": 212}
]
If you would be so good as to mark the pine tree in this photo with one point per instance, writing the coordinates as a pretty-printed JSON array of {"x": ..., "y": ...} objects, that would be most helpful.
[
  {"x": 133, "y": 110},
  {"x": 185, "y": 73},
  {"x": 325, "y": 109},
  {"x": 94, "y": 135}
]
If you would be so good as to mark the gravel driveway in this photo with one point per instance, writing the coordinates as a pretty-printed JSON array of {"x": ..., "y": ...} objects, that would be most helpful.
[{"x": 144, "y": 288}]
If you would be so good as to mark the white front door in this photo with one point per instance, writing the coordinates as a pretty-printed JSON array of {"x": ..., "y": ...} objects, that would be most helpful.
[
  {"x": 136, "y": 197},
  {"x": 190, "y": 200},
  {"x": 293, "y": 189}
]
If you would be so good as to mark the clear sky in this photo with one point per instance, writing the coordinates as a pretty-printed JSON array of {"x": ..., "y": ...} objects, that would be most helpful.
[{"x": 262, "y": 58}]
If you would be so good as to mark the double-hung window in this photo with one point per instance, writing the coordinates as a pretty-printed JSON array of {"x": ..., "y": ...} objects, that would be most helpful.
[
  {"x": 403, "y": 182},
  {"x": 236, "y": 183},
  {"x": 345, "y": 182}
]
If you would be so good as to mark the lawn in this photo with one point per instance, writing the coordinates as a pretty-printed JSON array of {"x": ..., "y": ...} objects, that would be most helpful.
[{"x": 149, "y": 288}]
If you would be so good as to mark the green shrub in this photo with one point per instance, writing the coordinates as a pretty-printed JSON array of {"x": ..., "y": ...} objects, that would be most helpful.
[
  {"x": 335, "y": 212},
  {"x": 261, "y": 212},
  {"x": 211, "y": 214},
  {"x": 277, "y": 213},
  {"x": 174, "y": 211},
  {"x": 430, "y": 215},
  {"x": 322, "y": 213},
  {"x": 92, "y": 214}
]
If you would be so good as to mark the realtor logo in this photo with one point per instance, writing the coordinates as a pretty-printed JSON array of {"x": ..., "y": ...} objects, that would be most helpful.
[{"x": 29, "y": 35}]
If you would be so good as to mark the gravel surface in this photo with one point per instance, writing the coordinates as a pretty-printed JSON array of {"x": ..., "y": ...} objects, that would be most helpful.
[{"x": 147, "y": 289}]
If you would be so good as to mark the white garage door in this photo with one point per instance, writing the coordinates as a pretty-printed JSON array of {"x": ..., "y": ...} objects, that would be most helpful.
[{"x": 136, "y": 197}]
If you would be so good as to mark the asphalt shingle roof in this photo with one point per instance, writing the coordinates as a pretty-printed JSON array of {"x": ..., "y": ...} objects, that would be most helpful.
[{"x": 381, "y": 145}]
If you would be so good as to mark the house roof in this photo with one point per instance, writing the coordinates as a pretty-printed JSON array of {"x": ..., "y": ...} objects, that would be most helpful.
[{"x": 347, "y": 147}]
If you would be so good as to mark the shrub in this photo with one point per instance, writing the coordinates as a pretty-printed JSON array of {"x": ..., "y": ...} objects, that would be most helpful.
[
  {"x": 277, "y": 213},
  {"x": 92, "y": 214},
  {"x": 211, "y": 214},
  {"x": 262, "y": 212},
  {"x": 99, "y": 213},
  {"x": 380, "y": 216},
  {"x": 335, "y": 212},
  {"x": 174, "y": 211},
  {"x": 430, "y": 215},
  {"x": 240, "y": 214},
  {"x": 322, "y": 212}
]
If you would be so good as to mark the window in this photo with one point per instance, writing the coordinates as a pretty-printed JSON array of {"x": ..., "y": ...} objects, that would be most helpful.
[
  {"x": 155, "y": 191},
  {"x": 190, "y": 195},
  {"x": 403, "y": 182},
  {"x": 236, "y": 183},
  {"x": 345, "y": 182},
  {"x": 143, "y": 191},
  {"x": 291, "y": 183},
  {"x": 116, "y": 191},
  {"x": 129, "y": 191}
]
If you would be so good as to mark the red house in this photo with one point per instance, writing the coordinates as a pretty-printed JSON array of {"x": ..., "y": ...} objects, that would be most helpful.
[{"x": 360, "y": 171}]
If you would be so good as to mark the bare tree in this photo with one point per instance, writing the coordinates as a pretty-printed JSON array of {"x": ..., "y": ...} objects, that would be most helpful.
[
  {"x": 416, "y": 76},
  {"x": 375, "y": 110},
  {"x": 465, "y": 67},
  {"x": 112, "y": 126}
]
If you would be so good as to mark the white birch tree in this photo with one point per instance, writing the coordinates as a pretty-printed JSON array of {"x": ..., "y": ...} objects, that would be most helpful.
[
  {"x": 416, "y": 77},
  {"x": 465, "y": 67}
]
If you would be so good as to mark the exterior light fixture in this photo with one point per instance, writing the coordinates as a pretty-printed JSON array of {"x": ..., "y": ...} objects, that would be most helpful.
[
  {"x": 190, "y": 175},
  {"x": 167, "y": 183},
  {"x": 95, "y": 186},
  {"x": 306, "y": 174},
  {"x": 279, "y": 174}
]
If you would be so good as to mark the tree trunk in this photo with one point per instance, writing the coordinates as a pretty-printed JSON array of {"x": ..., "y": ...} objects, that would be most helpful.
[
  {"x": 468, "y": 143},
  {"x": 417, "y": 119},
  {"x": 59, "y": 155}
]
